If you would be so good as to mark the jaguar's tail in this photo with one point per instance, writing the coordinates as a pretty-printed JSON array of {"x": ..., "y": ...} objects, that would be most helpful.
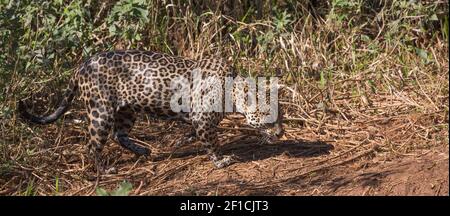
[{"x": 62, "y": 108}]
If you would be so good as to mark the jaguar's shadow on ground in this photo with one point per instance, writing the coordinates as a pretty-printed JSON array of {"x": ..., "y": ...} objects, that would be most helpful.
[{"x": 251, "y": 150}]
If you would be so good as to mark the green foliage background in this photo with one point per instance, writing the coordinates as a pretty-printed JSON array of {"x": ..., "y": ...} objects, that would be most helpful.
[{"x": 43, "y": 41}]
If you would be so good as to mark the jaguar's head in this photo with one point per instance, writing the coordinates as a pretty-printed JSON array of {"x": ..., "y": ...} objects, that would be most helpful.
[
  {"x": 267, "y": 117},
  {"x": 270, "y": 123}
]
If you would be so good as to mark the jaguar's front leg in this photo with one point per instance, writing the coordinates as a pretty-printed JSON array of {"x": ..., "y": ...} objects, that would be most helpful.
[
  {"x": 221, "y": 161},
  {"x": 207, "y": 134}
]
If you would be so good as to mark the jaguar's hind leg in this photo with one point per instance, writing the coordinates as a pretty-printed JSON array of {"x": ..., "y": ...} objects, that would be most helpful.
[
  {"x": 123, "y": 122},
  {"x": 99, "y": 127}
]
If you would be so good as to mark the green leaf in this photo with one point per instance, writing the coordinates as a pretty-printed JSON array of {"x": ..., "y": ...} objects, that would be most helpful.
[
  {"x": 143, "y": 14},
  {"x": 444, "y": 28},
  {"x": 434, "y": 17},
  {"x": 123, "y": 190},
  {"x": 323, "y": 80},
  {"x": 57, "y": 185},
  {"x": 422, "y": 53},
  {"x": 101, "y": 192},
  {"x": 137, "y": 37},
  {"x": 365, "y": 38},
  {"x": 30, "y": 189},
  {"x": 112, "y": 29}
]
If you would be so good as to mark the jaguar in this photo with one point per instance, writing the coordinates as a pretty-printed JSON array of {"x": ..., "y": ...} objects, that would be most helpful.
[{"x": 115, "y": 86}]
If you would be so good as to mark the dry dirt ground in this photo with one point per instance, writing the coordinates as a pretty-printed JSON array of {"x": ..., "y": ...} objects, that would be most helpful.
[{"x": 303, "y": 162}]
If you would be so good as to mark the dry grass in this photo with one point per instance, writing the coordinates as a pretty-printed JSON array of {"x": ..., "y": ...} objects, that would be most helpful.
[{"x": 354, "y": 93}]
